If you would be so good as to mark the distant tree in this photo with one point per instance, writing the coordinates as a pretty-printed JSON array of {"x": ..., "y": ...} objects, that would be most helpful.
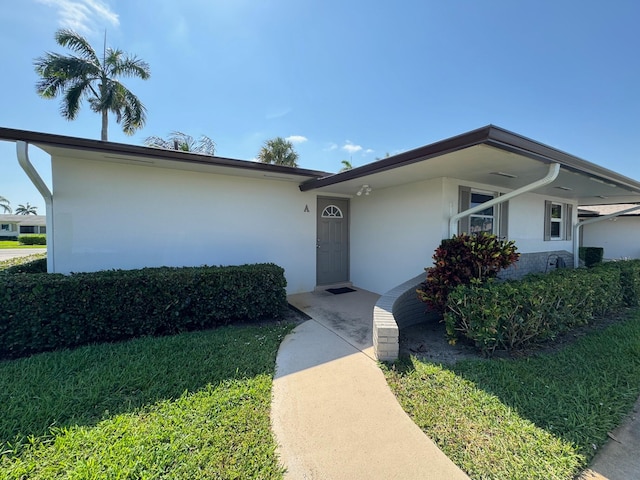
[
  {"x": 386, "y": 155},
  {"x": 86, "y": 75},
  {"x": 183, "y": 142},
  {"x": 4, "y": 204},
  {"x": 346, "y": 165},
  {"x": 278, "y": 151},
  {"x": 26, "y": 209}
]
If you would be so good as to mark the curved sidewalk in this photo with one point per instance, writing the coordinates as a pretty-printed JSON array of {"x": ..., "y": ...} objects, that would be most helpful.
[{"x": 333, "y": 415}]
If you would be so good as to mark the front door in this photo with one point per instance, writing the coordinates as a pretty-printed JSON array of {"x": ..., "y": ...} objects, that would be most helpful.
[{"x": 332, "y": 260}]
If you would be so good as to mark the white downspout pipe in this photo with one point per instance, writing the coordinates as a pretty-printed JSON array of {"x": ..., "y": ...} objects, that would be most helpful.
[
  {"x": 22, "y": 151},
  {"x": 576, "y": 230},
  {"x": 554, "y": 170}
]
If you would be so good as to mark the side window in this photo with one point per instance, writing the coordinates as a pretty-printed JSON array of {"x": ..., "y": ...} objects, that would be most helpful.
[
  {"x": 482, "y": 221},
  {"x": 492, "y": 219},
  {"x": 557, "y": 221}
]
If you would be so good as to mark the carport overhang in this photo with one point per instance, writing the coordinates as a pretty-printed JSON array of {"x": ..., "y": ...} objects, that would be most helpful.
[{"x": 491, "y": 156}]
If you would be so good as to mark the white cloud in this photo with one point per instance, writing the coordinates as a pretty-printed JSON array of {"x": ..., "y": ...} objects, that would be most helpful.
[
  {"x": 368, "y": 150},
  {"x": 83, "y": 16},
  {"x": 278, "y": 113},
  {"x": 351, "y": 148},
  {"x": 331, "y": 147},
  {"x": 296, "y": 139}
]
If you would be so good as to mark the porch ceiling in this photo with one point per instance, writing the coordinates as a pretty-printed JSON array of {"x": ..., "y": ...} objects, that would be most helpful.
[{"x": 483, "y": 161}]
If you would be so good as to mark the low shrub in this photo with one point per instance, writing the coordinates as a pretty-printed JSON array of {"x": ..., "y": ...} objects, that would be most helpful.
[
  {"x": 32, "y": 239},
  {"x": 629, "y": 279},
  {"x": 462, "y": 260},
  {"x": 517, "y": 314},
  {"x": 591, "y": 255},
  {"x": 40, "y": 312}
]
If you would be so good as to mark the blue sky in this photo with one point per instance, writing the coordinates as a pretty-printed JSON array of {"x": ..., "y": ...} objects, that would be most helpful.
[{"x": 343, "y": 79}]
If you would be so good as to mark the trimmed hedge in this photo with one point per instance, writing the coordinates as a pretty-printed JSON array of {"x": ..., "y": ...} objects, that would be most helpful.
[
  {"x": 32, "y": 239},
  {"x": 518, "y": 314},
  {"x": 40, "y": 312}
]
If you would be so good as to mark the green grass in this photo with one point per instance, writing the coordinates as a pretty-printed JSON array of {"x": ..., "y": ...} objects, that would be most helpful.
[
  {"x": 9, "y": 244},
  {"x": 542, "y": 417},
  {"x": 190, "y": 406}
]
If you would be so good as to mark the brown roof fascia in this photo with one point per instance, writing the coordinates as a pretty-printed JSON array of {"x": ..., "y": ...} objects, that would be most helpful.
[
  {"x": 490, "y": 135},
  {"x": 114, "y": 148},
  {"x": 449, "y": 145},
  {"x": 506, "y": 140}
]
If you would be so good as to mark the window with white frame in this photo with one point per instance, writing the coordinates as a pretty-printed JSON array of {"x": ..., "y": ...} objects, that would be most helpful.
[
  {"x": 492, "y": 219},
  {"x": 557, "y": 220},
  {"x": 484, "y": 220}
]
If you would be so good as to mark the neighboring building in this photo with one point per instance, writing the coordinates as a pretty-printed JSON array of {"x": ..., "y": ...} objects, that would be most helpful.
[
  {"x": 126, "y": 206},
  {"x": 14, "y": 225},
  {"x": 618, "y": 235}
]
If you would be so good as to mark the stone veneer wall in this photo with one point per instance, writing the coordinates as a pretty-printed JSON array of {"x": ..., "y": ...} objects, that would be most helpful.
[{"x": 538, "y": 262}]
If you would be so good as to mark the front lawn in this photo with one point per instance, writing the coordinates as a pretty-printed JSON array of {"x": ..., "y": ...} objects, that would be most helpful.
[
  {"x": 194, "y": 405},
  {"x": 9, "y": 244},
  {"x": 541, "y": 417}
]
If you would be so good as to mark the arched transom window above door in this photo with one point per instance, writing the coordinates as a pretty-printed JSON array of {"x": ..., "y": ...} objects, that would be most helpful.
[{"x": 331, "y": 211}]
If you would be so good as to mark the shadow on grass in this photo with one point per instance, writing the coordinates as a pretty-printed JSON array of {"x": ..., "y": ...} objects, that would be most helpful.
[
  {"x": 83, "y": 386},
  {"x": 577, "y": 393}
]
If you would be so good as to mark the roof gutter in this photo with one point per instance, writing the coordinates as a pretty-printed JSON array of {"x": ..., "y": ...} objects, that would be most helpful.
[
  {"x": 576, "y": 230},
  {"x": 22, "y": 152},
  {"x": 552, "y": 174}
]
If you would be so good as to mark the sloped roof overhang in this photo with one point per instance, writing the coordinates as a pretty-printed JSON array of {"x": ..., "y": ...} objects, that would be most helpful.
[
  {"x": 481, "y": 156},
  {"x": 135, "y": 154}
]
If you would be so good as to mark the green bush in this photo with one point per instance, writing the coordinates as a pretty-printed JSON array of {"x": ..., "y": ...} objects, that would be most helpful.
[
  {"x": 518, "y": 314},
  {"x": 33, "y": 239},
  {"x": 591, "y": 255},
  {"x": 40, "y": 312},
  {"x": 629, "y": 279},
  {"x": 462, "y": 260}
]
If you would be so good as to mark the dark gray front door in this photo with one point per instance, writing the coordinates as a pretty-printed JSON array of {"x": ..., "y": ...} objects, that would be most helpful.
[{"x": 332, "y": 261}]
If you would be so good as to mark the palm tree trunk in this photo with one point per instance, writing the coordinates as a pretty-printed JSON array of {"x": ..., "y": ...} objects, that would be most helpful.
[{"x": 105, "y": 125}]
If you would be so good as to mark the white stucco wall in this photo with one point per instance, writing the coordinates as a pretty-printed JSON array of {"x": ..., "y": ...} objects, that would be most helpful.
[
  {"x": 526, "y": 217},
  {"x": 618, "y": 238},
  {"x": 394, "y": 232},
  {"x": 110, "y": 215}
]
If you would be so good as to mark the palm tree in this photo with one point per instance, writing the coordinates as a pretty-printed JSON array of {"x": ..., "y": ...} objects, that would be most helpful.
[
  {"x": 26, "y": 209},
  {"x": 346, "y": 165},
  {"x": 85, "y": 75},
  {"x": 183, "y": 142},
  {"x": 4, "y": 205},
  {"x": 279, "y": 152}
]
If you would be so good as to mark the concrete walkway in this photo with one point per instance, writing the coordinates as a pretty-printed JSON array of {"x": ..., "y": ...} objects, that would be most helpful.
[
  {"x": 619, "y": 458},
  {"x": 9, "y": 253},
  {"x": 333, "y": 415}
]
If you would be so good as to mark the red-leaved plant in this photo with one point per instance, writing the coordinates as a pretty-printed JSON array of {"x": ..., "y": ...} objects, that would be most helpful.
[{"x": 462, "y": 260}]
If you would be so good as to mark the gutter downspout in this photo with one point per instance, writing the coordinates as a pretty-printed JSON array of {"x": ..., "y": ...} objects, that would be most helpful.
[
  {"x": 554, "y": 170},
  {"x": 576, "y": 231},
  {"x": 22, "y": 152}
]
